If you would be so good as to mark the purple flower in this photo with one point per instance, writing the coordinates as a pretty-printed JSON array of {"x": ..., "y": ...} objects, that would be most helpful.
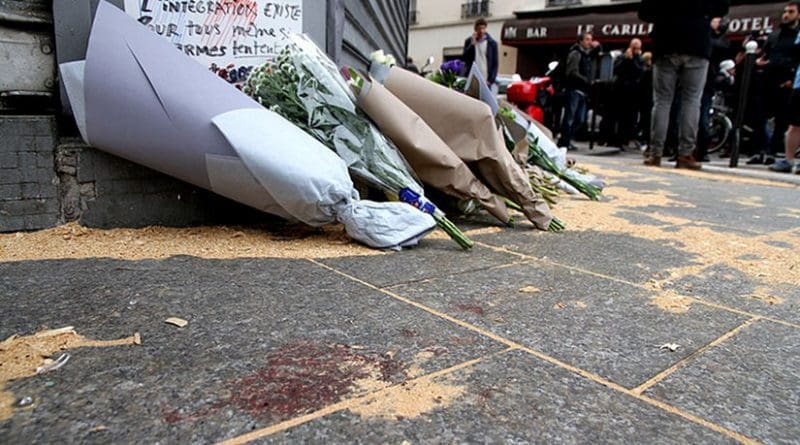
[{"x": 453, "y": 66}]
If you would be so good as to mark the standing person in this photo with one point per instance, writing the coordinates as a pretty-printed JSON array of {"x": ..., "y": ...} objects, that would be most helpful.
[
  {"x": 481, "y": 49},
  {"x": 756, "y": 113},
  {"x": 792, "y": 143},
  {"x": 646, "y": 100},
  {"x": 411, "y": 66},
  {"x": 629, "y": 71},
  {"x": 778, "y": 60},
  {"x": 579, "y": 76},
  {"x": 682, "y": 46},
  {"x": 720, "y": 50}
]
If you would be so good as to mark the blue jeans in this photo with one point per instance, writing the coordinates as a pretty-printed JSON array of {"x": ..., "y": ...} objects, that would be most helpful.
[
  {"x": 574, "y": 116},
  {"x": 691, "y": 71}
]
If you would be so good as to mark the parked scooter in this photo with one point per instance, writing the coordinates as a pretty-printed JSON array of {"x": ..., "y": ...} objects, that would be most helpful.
[
  {"x": 427, "y": 69},
  {"x": 534, "y": 96}
]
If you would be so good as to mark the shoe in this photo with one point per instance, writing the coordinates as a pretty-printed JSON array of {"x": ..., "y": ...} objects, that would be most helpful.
[
  {"x": 782, "y": 166},
  {"x": 769, "y": 160},
  {"x": 572, "y": 147},
  {"x": 755, "y": 160},
  {"x": 652, "y": 161},
  {"x": 688, "y": 162},
  {"x": 705, "y": 159}
]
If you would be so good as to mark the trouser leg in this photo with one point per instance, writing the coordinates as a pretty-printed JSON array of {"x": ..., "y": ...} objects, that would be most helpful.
[
  {"x": 693, "y": 80},
  {"x": 665, "y": 76}
]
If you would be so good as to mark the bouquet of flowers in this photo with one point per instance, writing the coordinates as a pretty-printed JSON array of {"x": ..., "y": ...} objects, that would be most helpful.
[
  {"x": 304, "y": 86},
  {"x": 537, "y": 156},
  {"x": 430, "y": 157},
  {"x": 449, "y": 75}
]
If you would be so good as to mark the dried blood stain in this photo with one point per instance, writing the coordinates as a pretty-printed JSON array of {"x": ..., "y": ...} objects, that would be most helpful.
[{"x": 303, "y": 377}]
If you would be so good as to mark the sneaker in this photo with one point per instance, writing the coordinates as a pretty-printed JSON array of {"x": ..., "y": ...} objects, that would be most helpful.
[
  {"x": 769, "y": 160},
  {"x": 756, "y": 160},
  {"x": 688, "y": 162},
  {"x": 782, "y": 166}
]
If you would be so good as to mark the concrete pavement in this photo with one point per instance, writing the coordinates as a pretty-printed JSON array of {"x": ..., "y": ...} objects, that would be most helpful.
[{"x": 667, "y": 313}]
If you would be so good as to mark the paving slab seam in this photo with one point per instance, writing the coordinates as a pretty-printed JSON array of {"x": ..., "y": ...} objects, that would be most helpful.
[
  {"x": 512, "y": 345},
  {"x": 641, "y": 286},
  {"x": 432, "y": 311},
  {"x": 350, "y": 403},
  {"x": 455, "y": 274},
  {"x": 691, "y": 357},
  {"x": 741, "y": 438}
]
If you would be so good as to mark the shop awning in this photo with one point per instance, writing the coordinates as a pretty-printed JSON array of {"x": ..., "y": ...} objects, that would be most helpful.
[{"x": 621, "y": 26}]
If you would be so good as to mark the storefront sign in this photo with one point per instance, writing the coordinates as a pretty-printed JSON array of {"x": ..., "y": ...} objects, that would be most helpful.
[
  {"x": 624, "y": 26},
  {"x": 242, "y": 33}
]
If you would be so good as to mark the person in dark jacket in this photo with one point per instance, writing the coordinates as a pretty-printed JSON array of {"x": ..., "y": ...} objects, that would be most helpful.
[
  {"x": 778, "y": 62},
  {"x": 792, "y": 141},
  {"x": 629, "y": 69},
  {"x": 481, "y": 49},
  {"x": 579, "y": 76},
  {"x": 645, "y": 94},
  {"x": 682, "y": 48}
]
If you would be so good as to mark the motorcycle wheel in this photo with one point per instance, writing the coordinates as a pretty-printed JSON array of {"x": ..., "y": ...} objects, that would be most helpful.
[{"x": 719, "y": 132}]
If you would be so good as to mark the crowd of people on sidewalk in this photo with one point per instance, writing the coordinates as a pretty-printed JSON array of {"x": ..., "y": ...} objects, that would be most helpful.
[{"x": 660, "y": 98}]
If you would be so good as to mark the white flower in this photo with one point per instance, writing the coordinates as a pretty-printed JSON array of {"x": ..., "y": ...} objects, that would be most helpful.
[
  {"x": 378, "y": 57},
  {"x": 382, "y": 58}
]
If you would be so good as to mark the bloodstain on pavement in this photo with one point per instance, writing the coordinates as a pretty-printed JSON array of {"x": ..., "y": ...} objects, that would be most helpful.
[
  {"x": 303, "y": 377},
  {"x": 472, "y": 308},
  {"x": 300, "y": 378}
]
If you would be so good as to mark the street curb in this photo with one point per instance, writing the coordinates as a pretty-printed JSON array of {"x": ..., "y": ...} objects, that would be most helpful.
[{"x": 767, "y": 176}]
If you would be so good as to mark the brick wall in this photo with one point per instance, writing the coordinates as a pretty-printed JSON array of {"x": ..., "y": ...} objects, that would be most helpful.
[
  {"x": 46, "y": 181},
  {"x": 28, "y": 181}
]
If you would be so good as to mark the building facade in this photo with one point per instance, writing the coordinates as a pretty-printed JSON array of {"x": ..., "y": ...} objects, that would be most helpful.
[
  {"x": 533, "y": 33},
  {"x": 439, "y": 28}
]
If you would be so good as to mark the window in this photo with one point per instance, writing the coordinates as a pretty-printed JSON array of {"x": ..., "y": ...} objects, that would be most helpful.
[
  {"x": 413, "y": 13},
  {"x": 557, "y": 3},
  {"x": 475, "y": 8}
]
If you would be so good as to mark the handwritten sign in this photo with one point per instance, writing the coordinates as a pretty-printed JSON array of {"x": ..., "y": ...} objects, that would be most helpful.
[{"x": 230, "y": 35}]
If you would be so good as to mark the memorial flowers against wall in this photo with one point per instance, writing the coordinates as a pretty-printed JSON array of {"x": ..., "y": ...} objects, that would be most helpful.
[
  {"x": 126, "y": 104},
  {"x": 527, "y": 141},
  {"x": 430, "y": 157},
  {"x": 304, "y": 86},
  {"x": 468, "y": 127}
]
